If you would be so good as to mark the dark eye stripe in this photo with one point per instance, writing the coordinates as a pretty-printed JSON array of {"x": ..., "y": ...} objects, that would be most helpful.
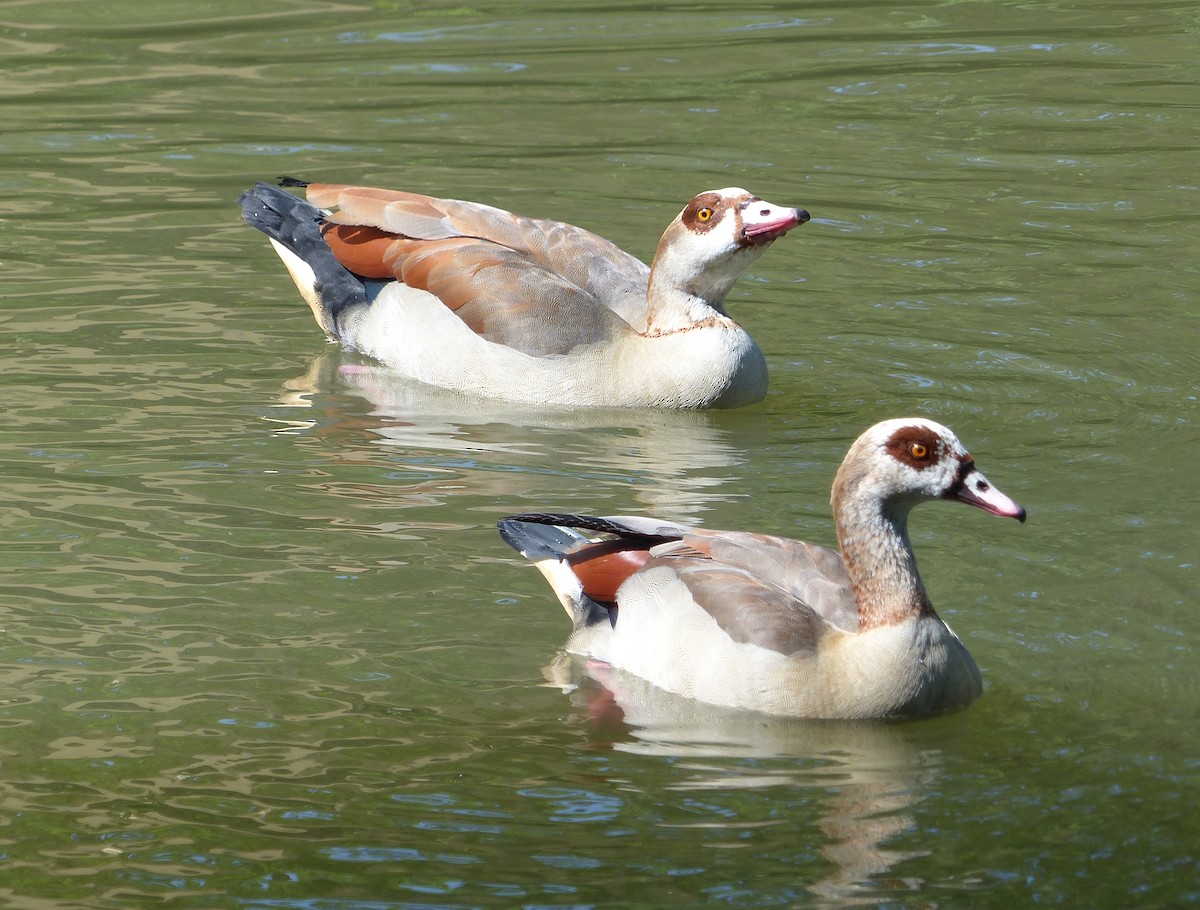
[{"x": 966, "y": 464}]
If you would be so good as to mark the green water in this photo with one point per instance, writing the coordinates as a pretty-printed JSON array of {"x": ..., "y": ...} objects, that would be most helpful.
[{"x": 261, "y": 644}]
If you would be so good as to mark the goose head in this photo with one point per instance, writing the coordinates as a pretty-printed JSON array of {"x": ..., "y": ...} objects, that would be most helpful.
[
  {"x": 900, "y": 462},
  {"x": 716, "y": 236}
]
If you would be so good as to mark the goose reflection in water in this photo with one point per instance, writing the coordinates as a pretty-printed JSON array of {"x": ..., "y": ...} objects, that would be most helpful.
[
  {"x": 678, "y": 461},
  {"x": 865, "y": 776}
]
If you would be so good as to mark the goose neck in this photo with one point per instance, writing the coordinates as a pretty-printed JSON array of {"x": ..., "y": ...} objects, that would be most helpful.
[
  {"x": 670, "y": 308},
  {"x": 873, "y": 536}
]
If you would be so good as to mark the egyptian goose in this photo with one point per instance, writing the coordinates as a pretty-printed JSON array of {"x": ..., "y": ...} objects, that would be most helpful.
[
  {"x": 771, "y": 624},
  {"x": 475, "y": 299}
]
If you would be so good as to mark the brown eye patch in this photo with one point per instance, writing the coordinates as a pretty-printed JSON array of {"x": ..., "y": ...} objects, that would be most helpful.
[
  {"x": 916, "y": 447},
  {"x": 703, "y": 212}
]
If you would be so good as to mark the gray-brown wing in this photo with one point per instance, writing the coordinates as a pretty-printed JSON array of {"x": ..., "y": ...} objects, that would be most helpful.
[
  {"x": 597, "y": 266},
  {"x": 541, "y": 287},
  {"x": 808, "y": 575},
  {"x": 615, "y": 278},
  {"x": 747, "y": 608},
  {"x": 505, "y": 297}
]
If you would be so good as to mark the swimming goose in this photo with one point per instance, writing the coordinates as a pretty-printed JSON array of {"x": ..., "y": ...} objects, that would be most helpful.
[
  {"x": 475, "y": 299},
  {"x": 776, "y": 625}
]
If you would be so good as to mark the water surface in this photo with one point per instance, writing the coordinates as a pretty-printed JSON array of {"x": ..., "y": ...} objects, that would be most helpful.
[{"x": 262, "y": 646}]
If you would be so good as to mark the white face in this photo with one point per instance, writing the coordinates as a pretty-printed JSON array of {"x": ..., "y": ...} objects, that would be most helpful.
[
  {"x": 734, "y": 217},
  {"x": 717, "y": 235},
  {"x": 911, "y": 457}
]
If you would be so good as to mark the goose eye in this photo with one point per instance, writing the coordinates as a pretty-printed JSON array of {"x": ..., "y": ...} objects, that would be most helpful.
[
  {"x": 918, "y": 450},
  {"x": 704, "y": 214}
]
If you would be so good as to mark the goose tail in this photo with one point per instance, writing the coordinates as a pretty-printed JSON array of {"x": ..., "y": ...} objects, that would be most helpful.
[{"x": 294, "y": 228}]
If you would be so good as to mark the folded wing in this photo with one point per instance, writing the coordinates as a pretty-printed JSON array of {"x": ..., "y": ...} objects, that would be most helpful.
[
  {"x": 779, "y": 594},
  {"x": 542, "y": 287}
]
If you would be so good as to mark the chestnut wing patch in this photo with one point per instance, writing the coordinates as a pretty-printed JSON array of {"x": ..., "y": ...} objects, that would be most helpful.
[{"x": 603, "y": 566}]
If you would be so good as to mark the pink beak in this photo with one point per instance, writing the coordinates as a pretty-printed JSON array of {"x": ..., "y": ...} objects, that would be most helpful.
[
  {"x": 976, "y": 491},
  {"x": 774, "y": 223}
]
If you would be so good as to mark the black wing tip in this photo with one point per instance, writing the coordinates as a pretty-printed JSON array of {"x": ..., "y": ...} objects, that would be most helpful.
[
  {"x": 540, "y": 536},
  {"x": 262, "y": 190},
  {"x": 587, "y": 523},
  {"x": 512, "y": 531},
  {"x": 294, "y": 222},
  {"x": 569, "y": 520},
  {"x": 269, "y": 208},
  {"x": 565, "y": 519}
]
